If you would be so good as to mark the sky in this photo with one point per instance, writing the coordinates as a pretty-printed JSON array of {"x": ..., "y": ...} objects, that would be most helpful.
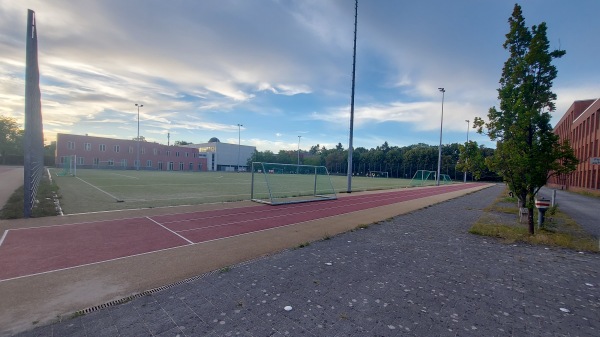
[{"x": 282, "y": 68}]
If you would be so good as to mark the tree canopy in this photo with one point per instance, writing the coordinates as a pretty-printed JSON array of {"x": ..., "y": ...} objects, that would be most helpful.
[
  {"x": 11, "y": 138},
  {"x": 527, "y": 150}
]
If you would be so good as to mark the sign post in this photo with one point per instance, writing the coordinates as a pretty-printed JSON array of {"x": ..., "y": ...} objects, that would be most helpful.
[
  {"x": 595, "y": 160},
  {"x": 542, "y": 205}
]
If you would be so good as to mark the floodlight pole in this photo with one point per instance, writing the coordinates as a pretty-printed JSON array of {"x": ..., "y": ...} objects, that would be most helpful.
[
  {"x": 466, "y": 151},
  {"x": 350, "y": 148},
  {"x": 437, "y": 177},
  {"x": 239, "y": 138},
  {"x": 137, "y": 166},
  {"x": 299, "y": 150}
]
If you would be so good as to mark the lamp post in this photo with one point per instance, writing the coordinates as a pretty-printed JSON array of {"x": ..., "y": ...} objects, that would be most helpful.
[
  {"x": 437, "y": 178},
  {"x": 137, "y": 166},
  {"x": 299, "y": 151},
  {"x": 466, "y": 151},
  {"x": 239, "y": 135}
]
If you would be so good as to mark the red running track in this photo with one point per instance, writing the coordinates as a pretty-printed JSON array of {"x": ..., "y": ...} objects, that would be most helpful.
[{"x": 31, "y": 251}]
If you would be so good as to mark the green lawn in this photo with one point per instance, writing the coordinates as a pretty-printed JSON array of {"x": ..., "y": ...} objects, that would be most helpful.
[{"x": 103, "y": 190}]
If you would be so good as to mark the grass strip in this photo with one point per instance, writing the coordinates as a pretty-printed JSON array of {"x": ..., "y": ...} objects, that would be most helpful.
[
  {"x": 47, "y": 193},
  {"x": 559, "y": 229}
]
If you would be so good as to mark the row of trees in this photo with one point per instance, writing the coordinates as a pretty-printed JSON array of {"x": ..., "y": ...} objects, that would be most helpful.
[{"x": 399, "y": 162}]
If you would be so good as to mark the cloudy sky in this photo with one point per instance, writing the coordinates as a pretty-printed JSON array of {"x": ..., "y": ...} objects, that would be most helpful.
[{"x": 282, "y": 68}]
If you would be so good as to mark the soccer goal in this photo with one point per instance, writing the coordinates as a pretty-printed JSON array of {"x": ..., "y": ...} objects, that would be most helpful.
[
  {"x": 69, "y": 166},
  {"x": 445, "y": 179},
  {"x": 276, "y": 184},
  {"x": 377, "y": 174},
  {"x": 423, "y": 177}
]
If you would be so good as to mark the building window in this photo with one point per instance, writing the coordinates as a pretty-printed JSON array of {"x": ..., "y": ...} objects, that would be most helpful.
[
  {"x": 187, "y": 154},
  {"x": 155, "y": 150},
  {"x": 96, "y": 161},
  {"x": 168, "y": 153},
  {"x": 80, "y": 161},
  {"x": 117, "y": 148},
  {"x": 136, "y": 163},
  {"x": 124, "y": 162},
  {"x": 143, "y": 150},
  {"x": 131, "y": 149},
  {"x": 176, "y": 153},
  {"x": 148, "y": 163},
  {"x": 71, "y": 145},
  {"x": 102, "y": 147},
  {"x": 87, "y": 146},
  {"x": 180, "y": 166},
  {"x": 111, "y": 162}
]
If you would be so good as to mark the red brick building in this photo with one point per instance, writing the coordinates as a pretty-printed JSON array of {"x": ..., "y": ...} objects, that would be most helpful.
[
  {"x": 100, "y": 152},
  {"x": 581, "y": 126}
]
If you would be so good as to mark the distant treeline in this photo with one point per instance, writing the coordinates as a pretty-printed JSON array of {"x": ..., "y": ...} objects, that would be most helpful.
[{"x": 399, "y": 162}]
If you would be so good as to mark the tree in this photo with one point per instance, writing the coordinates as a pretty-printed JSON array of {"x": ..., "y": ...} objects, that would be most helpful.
[
  {"x": 527, "y": 151},
  {"x": 471, "y": 159},
  {"x": 11, "y": 138},
  {"x": 181, "y": 143}
]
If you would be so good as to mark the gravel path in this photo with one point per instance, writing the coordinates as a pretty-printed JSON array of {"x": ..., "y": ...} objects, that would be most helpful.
[{"x": 419, "y": 274}]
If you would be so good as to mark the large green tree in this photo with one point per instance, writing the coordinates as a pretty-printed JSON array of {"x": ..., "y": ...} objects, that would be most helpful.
[
  {"x": 527, "y": 151},
  {"x": 11, "y": 138}
]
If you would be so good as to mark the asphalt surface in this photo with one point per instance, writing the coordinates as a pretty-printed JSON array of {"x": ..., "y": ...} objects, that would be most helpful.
[
  {"x": 583, "y": 209},
  {"x": 418, "y": 274}
]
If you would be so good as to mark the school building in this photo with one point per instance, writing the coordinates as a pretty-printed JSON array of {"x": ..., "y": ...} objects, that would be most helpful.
[
  {"x": 100, "y": 152},
  {"x": 581, "y": 126}
]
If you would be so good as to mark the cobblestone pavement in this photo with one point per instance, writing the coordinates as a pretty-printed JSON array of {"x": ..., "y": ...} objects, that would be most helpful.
[{"x": 419, "y": 274}]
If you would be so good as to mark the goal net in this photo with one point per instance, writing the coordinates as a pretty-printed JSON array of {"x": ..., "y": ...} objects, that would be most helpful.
[
  {"x": 377, "y": 174},
  {"x": 69, "y": 166},
  {"x": 422, "y": 178},
  {"x": 276, "y": 184},
  {"x": 445, "y": 179}
]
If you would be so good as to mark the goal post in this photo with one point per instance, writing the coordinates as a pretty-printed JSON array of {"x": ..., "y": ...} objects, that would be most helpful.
[
  {"x": 377, "y": 174},
  {"x": 423, "y": 177},
  {"x": 276, "y": 184},
  {"x": 69, "y": 166}
]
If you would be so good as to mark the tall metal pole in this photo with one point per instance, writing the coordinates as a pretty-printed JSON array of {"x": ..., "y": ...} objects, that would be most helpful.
[
  {"x": 466, "y": 151},
  {"x": 437, "y": 178},
  {"x": 137, "y": 165},
  {"x": 239, "y": 138},
  {"x": 299, "y": 150},
  {"x": 350, "y": 148}
]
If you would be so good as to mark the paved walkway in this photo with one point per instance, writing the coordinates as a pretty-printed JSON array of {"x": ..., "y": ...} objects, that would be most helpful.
[
  {"x": 583, "y": 209},
  {"x": 418, "y": 274}
]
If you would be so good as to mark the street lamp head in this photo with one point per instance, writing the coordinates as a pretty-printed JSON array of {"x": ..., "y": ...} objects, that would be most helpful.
[
  {"x": 139, "y": 105},
  {"x": 466, "y": 120},
  {"x": 442, "y": 89}
]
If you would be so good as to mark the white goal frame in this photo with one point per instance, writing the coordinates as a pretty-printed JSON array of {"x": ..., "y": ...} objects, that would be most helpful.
[{"x": 277, "y": 184}]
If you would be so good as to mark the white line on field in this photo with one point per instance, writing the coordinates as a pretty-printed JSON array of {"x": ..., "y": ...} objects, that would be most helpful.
[
  {"x": 99, "y": 189},
  {"x": 190, "y": 242},
  {"x": 126, "y": 176}
]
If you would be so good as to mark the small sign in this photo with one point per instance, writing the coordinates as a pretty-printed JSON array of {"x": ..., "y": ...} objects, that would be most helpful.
[
  {"x": 595, "y": 160},
  {"x": 542, "y": 203}
]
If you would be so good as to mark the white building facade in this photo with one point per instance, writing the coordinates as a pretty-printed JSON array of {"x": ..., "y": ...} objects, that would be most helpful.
[{"x": 224, "y": 156}]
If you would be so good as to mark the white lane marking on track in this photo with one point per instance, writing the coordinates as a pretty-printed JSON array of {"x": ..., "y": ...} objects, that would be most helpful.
[
  {"x": 3, "y": 236},
  {"x": 181, "y": 236},
  {"x": 364, "y": 200},
  {"x": 313, "y": 210}
]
